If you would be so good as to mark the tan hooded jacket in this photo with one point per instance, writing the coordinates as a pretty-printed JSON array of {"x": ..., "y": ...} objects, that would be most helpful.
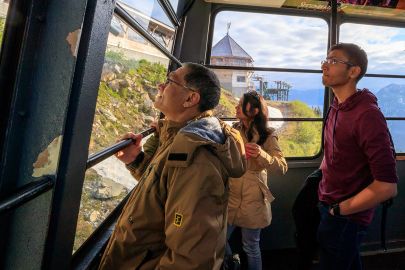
[
  {"x": 249, "y": 196},
  {"x": 175, "y": 217}
]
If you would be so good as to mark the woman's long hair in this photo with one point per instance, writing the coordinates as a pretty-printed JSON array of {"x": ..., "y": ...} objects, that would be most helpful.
[{"x": 259, "y": 121}]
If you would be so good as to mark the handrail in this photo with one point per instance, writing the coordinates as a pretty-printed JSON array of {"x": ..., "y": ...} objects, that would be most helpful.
[
  {"x": 123, "y": 14},
  {"x": 106, "y": 153},
  {"x": 287, "y": 119},
  {"x": 26, "y": 193}
]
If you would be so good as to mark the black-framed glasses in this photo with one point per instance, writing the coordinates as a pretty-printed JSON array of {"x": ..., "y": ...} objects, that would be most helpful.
[
  {"x": 334, "y": 61},
  {"x": 168, "y": 80}
]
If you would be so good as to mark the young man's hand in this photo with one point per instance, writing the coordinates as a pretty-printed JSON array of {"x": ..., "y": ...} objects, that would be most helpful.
[{"x": 129, "y": 153}]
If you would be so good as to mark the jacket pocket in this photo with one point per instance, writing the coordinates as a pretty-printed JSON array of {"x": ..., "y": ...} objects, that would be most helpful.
[{"x": 268, "y": 196}]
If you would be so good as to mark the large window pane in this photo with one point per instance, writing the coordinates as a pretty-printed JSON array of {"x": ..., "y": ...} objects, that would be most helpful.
[
  {"x": 268, "y": 40},
  {"x": 282, "y": 89},
  {"x": 390, "y": 93},
  {"x": 384, "y": 46},
  {"x": 3, "y": 14},
  {"x": 132, "y": 70},
  {"x": 391, "y": 99},
  {"x": 288, "y": 95},
  {"x": 153, "y": 19},
  {"x": 397, "y": 129}
]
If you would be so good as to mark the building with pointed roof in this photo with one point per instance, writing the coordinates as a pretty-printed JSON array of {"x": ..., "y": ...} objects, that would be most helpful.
[{"x": 227, "y": 52}]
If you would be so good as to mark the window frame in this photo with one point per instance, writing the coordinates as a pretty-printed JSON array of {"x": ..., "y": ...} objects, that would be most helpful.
[{"x": 326, "y": 16}]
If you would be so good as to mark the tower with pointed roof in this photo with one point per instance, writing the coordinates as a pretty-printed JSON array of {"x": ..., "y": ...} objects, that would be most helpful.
[{"x": 227, "y": 52}]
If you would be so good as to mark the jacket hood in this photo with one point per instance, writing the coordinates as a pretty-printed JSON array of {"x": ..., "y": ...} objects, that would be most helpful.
[
  {"x": 222, "y": 140},
  {"x": 361, "y": 96}
]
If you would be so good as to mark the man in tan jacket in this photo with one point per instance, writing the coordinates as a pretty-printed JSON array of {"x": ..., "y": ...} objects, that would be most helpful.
[{"x": 175, "y": 217}]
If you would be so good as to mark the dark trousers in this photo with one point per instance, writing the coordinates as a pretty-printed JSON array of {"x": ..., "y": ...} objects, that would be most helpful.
[{"x": 339, "y": 239}]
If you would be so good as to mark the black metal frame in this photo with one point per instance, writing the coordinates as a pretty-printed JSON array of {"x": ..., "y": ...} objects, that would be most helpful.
[
  {"x": 126, "y": 17},
  {"x": 26, "y": 193},
  {"x": 168, "y": 9},
  {"x": 13, "y": 36},
  {"x": 77, "y": 132}
]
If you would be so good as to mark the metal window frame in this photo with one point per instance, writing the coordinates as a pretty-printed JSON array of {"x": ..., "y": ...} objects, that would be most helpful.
[
  {"x": 326, "y": 16},
  {"x": 127, "y": 18},
  {"x": 168, "y": 9}
]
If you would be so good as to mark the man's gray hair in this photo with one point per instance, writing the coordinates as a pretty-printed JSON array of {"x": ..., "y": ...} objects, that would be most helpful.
[{"x": 206, "y": 82}]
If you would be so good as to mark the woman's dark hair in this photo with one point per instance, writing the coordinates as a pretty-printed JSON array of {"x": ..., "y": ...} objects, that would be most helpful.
[{"x": 259, "y": 122}]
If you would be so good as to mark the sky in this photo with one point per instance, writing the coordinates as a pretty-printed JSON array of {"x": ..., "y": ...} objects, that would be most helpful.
[
  {"x": 299, "y": 42},
  {"x": 152, "y": 8},
  {"x": 296, "y": 42}
]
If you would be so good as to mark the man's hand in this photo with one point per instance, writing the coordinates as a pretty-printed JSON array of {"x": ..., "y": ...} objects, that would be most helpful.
[{"x": 129, "y": 153}]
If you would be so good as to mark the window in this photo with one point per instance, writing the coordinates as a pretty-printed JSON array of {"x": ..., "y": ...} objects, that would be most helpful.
[
  {"x": 132, "y": 70},
  {"x": 240, "y": 78},
  {"x": 153, "y": 19},
  {"x": 3, "y": 14},
  {"x": 384, "y": 47},
  {"x": 274, "y": 41}
]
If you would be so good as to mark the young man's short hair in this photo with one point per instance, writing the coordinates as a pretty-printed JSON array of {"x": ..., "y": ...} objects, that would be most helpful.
[
  {"x": 356, "y": 55},
  {"x": 207, "y": 84}
]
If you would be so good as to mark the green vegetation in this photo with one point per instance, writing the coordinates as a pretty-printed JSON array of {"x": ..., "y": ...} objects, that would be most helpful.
[
  {"x": 226, "y": 106},
  {"x": 299, "y": 139},
  {"x": 126, "y": 93},
  {"x": 2, "y": 23}
]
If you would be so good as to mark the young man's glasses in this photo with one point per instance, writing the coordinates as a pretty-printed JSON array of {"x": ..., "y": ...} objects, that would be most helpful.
[
  {"x": 334, "y": 61},
  {"x": 168, "y": 80}
]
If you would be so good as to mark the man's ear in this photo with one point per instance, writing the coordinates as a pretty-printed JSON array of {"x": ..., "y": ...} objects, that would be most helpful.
[
  {"x": 355, "y": 72},
  {"x": 192, "y": 100}
]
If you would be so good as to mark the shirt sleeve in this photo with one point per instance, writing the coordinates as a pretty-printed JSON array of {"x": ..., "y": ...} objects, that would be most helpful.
[
  {"x": 272, "y": 157},
  {"x": 195, "y": 216},
  {"x": 374, "y": 139}
]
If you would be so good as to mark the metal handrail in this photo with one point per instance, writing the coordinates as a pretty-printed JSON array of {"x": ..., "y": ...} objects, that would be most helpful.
[
  {"x": 26, "y": 193},
  {"x": 106, "y": 153},
  {"x": 124, "y": 15},
  {"x": 286, "y": 119}
]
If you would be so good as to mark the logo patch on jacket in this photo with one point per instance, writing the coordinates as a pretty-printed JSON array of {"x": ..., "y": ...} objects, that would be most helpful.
[{"x": 178, "y": 219}]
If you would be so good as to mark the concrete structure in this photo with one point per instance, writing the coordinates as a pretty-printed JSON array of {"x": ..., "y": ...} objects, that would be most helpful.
[
  {"x": 227, "y": 52},
  {"x": 124, "y": 39}
]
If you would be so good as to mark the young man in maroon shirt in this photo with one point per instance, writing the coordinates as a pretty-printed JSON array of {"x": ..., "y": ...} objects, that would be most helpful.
[{"x": 359, "y": 162}]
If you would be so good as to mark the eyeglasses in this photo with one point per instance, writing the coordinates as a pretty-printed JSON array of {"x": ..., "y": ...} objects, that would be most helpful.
[
  {"x": 168, "y": 80},
  {"x": 334, "y": 61}
]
